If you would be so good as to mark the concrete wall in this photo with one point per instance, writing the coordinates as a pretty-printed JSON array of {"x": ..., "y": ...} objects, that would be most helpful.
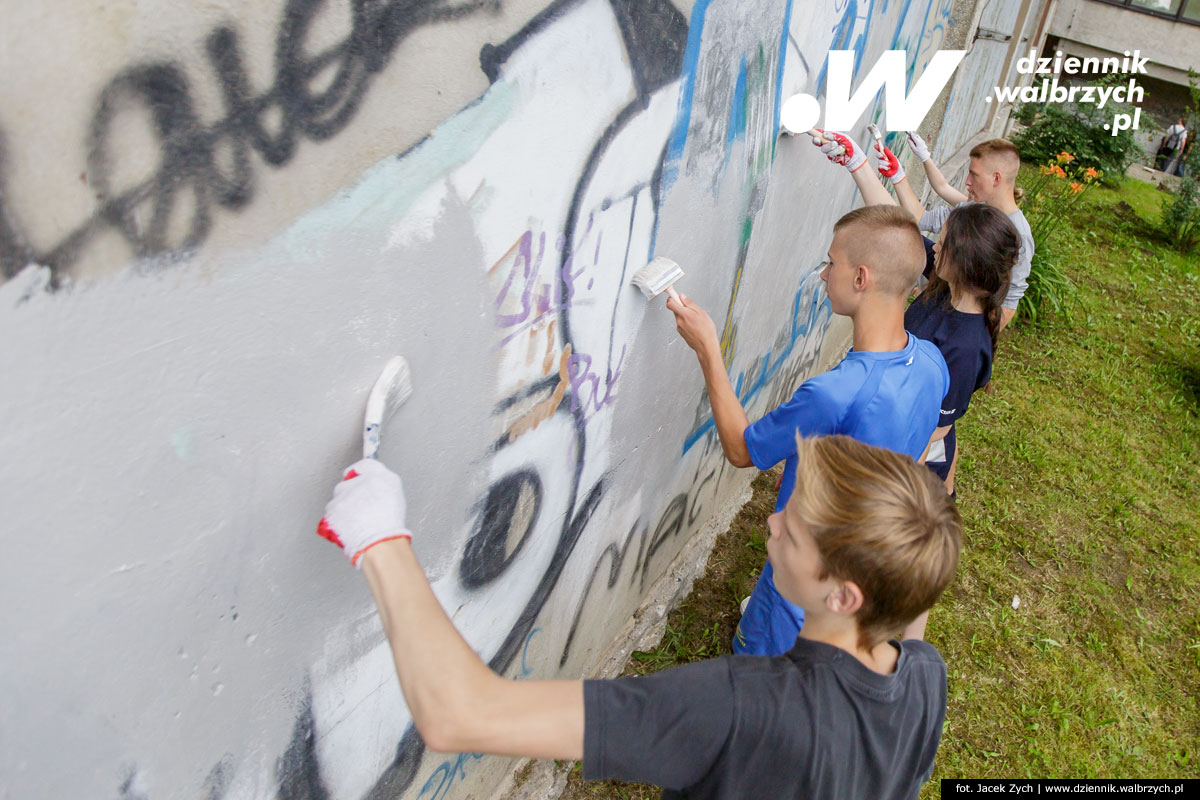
[
  {"x": 1099, "y": 29},
  {"x": 219, "y": 219}
]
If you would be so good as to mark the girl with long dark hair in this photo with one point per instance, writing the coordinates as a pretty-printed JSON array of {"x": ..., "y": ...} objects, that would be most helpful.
[{"x": 959, "y": 311}]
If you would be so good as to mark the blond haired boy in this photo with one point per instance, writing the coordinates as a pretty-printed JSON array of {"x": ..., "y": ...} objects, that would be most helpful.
[{"x": 868, "y": 540}]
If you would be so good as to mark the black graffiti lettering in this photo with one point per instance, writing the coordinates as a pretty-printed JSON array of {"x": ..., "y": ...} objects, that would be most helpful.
[
  {"x": 510, "y": 512},
  {"x": 201, "y": 165}
]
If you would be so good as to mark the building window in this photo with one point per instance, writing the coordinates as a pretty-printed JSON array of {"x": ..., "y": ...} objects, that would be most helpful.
[{"x": 1187, "y": 11}]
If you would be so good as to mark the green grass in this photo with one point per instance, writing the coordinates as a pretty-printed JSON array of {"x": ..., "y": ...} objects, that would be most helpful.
[{"x": 1079, "y": 486}]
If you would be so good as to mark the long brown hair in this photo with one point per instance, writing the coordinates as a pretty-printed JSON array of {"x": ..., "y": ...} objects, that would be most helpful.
[{"x": 981, "y": 245}]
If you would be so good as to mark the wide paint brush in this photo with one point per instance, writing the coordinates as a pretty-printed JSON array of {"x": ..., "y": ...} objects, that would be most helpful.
[
  {"x": 392, "y": 388},
  {"x": 657, "y": 277}
]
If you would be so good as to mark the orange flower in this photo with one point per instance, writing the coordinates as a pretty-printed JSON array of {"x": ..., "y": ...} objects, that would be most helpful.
[
  {"x": 1076, "y": 188},
  {"x": 1058, "y": 171},
  {"x": 1091, "y": 173},
  {"x": 1045, "y": 168},
  {"x": 1064, "y": 157}
]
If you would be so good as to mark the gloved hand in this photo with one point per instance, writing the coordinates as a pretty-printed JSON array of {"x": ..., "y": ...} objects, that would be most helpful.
[
  {"x": 841, "y": 150},
  {"x": 918, "y": 146},
  {"x": 889, "y": 165},
  {"x": 367, "y": 508}
]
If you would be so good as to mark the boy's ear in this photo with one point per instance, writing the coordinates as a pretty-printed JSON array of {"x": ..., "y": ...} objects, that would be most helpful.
[
  {"x": 846, "y": 599},
  {"x": 862, "y": 277}
]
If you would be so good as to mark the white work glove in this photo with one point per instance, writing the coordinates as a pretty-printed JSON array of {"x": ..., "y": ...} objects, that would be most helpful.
[
  {"x": 367, "y": 508},
  {"x": 918, "y": 146},
  {"x": 841, "y": 149},
  {"x": 889, "y": 166}
]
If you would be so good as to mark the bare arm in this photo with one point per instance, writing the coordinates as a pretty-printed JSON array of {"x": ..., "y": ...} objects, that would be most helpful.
[
  {"x": 908, "y": 200},
  {"x": 458, "y": 704},
  {"x": 873, "y": 191},
  {"x": 938, "y": 435},
  {"x": 942, "y": 186},
  {"x": 1006, "y": 316},
  {"x": 697, "y": 329}
]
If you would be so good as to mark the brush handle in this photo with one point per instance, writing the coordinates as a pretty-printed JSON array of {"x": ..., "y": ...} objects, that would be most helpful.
[{"x": 674, "y": 294}]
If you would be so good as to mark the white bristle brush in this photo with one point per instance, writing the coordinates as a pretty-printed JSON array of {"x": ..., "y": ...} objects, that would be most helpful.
[
  {"x": 874, "y": 130},
  {"x": 657, "y": 277},
  {"x": 391, "y": 389}
]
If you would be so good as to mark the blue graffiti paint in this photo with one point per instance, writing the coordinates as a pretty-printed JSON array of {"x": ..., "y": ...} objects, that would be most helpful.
[
  {"x": 445, "y": 775},
  {"x": 687, "y": 93},
  {"x": 816, "y": 311},
  {"x": 783, "y": 43},
  {"x": 525, "y": 670}
]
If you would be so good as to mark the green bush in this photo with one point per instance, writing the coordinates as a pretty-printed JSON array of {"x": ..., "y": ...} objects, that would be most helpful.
[
  {"x": 1078, "y": 129},
  {"x": 1050, "y": 291},
  {"x": 1181, "y": 215}
]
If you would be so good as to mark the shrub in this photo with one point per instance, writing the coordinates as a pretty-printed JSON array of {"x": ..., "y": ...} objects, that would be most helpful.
[
  {"x": 1181, "y": 215},
  {"x": 1060, "y": 186}
]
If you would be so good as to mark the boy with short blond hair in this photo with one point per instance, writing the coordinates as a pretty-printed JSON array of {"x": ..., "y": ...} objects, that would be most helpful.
[
  {"x": 868, "y": 540},
  {"x": 886, "y": 392}
]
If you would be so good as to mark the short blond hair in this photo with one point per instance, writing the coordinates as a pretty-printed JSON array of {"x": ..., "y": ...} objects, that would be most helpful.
[
  {"x": 880, "y": 520},
  {"x": 889, "y": 244},
  {"x": 1003, "y": 154}
]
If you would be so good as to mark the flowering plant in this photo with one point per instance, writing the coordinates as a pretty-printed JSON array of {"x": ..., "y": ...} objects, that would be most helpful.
[{"x": 1060, "y": 184}]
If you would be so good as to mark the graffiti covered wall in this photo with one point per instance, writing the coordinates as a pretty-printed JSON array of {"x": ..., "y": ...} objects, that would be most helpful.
[{"x": 218, "y": 221}]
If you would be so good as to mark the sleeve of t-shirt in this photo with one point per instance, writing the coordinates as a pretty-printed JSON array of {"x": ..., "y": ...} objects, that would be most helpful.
[
  {"x": 667, "y": 729},
  {"x": 1019, "y": 281},
  {"x": 809, "y": 412},
  {"x": 963, "y": 362},
  {"x": 934, "y": 218}
]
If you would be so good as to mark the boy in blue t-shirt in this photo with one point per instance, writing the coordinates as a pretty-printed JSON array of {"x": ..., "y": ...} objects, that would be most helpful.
[{"x": 886, "y": 392}]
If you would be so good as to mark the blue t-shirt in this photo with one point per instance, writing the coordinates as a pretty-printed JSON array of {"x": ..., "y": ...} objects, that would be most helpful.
[
  {"x": 965, "y": 344},
  {"x": 887, "y": 399}
]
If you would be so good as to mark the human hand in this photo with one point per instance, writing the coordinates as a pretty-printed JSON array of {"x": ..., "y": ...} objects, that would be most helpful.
[
  {"x": 841, "y": 150},
  {"x": 918, "y": 146},
  {"x": 367, "y": 508},
  {"x": 889, "y": 166},
  {"x": 694, "y": 325}
]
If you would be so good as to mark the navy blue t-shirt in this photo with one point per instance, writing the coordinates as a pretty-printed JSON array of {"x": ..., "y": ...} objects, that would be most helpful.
[{"x": 964, "y": 342}]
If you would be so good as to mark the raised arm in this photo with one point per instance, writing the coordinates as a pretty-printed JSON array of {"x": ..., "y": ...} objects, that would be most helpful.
[
  {"x": 698, "y": 330},
  {"x": 845, "y": 152},
  {"x": 891, "y": 169},
  {"x": 937, "y": 181},
  {"x": 458, "y": 704}
]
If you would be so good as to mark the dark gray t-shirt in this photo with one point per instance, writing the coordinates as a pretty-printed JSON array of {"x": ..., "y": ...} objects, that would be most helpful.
[{"x": 813, "y": 722}]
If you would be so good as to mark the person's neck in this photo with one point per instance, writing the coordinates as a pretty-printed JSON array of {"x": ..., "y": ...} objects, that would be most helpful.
[
  {"x": 879, "y": 326},
  {"x": 843, "y": 634},
  {"x": 966, "y": 302},
  {"x": 1005, "y": 203}
]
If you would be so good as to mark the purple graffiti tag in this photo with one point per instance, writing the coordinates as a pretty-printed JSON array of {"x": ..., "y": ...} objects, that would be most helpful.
[
  {"x": 540, "y": 299},
  {"x": 586, "y": 384}
]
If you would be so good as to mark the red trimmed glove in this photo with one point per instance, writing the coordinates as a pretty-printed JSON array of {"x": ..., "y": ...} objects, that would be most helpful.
[
  {"x": 841, "y": 150},
  {"x": 367, "y": 508},
  {"x": 889, "y": 165}
]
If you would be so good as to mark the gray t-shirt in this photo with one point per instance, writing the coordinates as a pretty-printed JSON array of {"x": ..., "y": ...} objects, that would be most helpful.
[
  {"x": 935, "y": 218},
  {"x": 813, "y": 722}
]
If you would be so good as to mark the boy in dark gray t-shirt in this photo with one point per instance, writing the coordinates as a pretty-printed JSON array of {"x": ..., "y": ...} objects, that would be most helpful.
[{"x": 867, "y": 541}]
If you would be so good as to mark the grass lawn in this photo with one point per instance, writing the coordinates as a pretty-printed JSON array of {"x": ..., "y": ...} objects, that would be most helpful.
[{"x": 1079, "y": 486}]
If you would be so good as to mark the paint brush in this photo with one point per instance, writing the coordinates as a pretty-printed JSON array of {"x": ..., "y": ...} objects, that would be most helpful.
[
  {"x": 657, "y": 277},
  {"x": 392, "y": 388},
  {"x": 874, "y": 129}
]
